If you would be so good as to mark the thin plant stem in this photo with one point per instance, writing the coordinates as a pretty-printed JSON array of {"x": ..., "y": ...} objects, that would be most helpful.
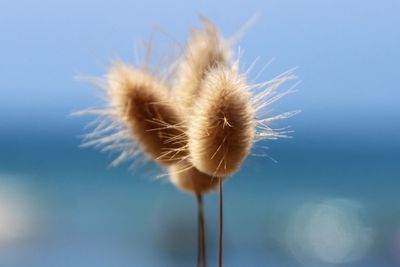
[
  {"x": 202, "y": 256},
  {"x": 220, "y": 223},
  {"x": 199, "y": 242},
  {"x": 203, "y": 235},
  {"x": 198, "y": 236}
]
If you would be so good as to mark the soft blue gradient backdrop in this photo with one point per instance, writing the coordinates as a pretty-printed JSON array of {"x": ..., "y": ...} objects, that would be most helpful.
[{"x": 345, "y": 146}]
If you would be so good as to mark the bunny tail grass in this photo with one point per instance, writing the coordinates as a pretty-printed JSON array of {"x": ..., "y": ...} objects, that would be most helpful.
[
  {"x": 141, "y": 103},
  {"x": 200, "y": 120},
  {"x": 189, "y": 179},
  {"x": 221, "y": 130},
  {"x": 205, "y": 49}
]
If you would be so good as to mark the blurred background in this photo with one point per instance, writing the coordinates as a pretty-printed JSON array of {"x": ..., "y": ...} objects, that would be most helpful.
[{"x": 328, "y": 197}]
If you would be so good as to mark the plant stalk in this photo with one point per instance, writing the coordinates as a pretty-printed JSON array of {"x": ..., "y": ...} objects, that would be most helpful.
[
  {"x": 220, "y": 223},
  {"x": 201, "y": 256}
]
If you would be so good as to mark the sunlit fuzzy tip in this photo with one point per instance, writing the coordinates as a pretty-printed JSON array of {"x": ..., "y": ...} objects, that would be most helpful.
[
  {"x": 187, "y": 178},
  {"x": 205, "y": 49},
  {"x": 141, "y": 102},
  {"x": 221, "y": 129}
]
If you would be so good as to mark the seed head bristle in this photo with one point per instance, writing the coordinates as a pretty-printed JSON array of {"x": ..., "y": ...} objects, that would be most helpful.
[
  {"x": 107, "y": 133},
  {"x": 264, "y": 95}
]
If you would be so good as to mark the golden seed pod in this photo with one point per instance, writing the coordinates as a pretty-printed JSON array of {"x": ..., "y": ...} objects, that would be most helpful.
[
  {"x": 141, "y": 101},
  {"x": 187, "y": 178},
  {"x": 204, "y": 50},
  {"x": 221, "y": 130}
]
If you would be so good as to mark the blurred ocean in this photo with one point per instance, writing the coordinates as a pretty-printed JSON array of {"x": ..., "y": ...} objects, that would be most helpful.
[{"x": 320, "y": 202}]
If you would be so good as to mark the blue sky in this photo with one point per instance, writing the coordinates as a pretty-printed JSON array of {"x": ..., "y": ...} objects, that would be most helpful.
[{"x": 347, "y": 54}]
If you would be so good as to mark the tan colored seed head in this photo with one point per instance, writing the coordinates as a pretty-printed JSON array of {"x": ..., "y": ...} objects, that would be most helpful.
[
  {"x": 204, "y": 50},
  {"x": 187, "y": 178},
  {"x": 221, "y": 130},
  {"x": 141, "y": 101}
]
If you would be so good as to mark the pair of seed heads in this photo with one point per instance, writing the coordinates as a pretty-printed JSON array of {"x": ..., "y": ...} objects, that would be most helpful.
[{"x": 200, "y": 125}]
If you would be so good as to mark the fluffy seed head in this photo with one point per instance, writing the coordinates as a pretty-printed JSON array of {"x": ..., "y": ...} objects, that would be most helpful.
[
  {"x": 205, "y": 130},
  {"x": 141, "y": 101},
  {"x": 204, "y": 50},
  {"x": 187, "y": 178},
  {"x": 221, "y": 130}
]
